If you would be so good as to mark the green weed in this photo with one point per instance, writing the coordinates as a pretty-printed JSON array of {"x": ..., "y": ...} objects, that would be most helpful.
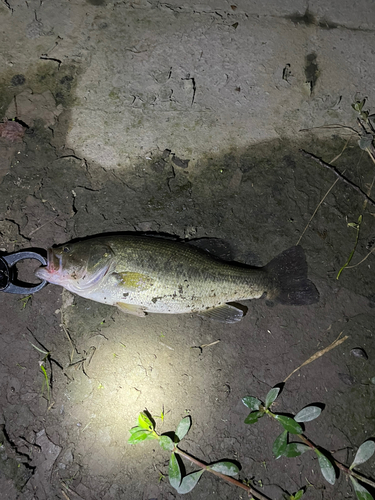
[
  {"x": 282, "y": 445},
  {"x": 170, "y": 442},
  {"x": 46, "y": 382}
]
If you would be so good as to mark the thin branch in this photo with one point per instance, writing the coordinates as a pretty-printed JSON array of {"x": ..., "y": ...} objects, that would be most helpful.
[
  {"x": 332, "y": 126},
  {"x": 327, "y": 193},
  {"x": 339, "y": 175},
  {"x": 70, "y": 491},
  {"x": 229, "y": 479},
  {"x": 40, "y": 227},
  {"x": 342, "y": 467},
  {"x": 360, "y": 262},
  {"x": 317, "y": 208},
  {"x": 320, "y": 353}
]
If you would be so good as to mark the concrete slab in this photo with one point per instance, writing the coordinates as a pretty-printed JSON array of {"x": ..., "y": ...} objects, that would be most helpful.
[{"x": 195, "y": 77}]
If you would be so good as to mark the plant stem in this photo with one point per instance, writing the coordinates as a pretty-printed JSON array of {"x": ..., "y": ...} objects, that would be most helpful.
[
  {"x": 342, "y": 467},
  {"x": 229, "y": 479},
  {"x": 358, "y": 225}
]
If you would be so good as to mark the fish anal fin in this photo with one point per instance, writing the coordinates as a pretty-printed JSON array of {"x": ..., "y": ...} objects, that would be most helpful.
[
  {"x": 225, "y": 314},
  {"x": 133, "y": 281},
  {"x": 131, "y": 309}
]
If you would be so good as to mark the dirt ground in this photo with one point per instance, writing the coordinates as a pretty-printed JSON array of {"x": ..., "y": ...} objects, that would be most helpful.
[
  {"x": 105, "y": 367},
  {"x": 257, "y": 202}
]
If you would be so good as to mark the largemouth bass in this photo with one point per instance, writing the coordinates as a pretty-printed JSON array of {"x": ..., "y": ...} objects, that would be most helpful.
[{"x": 141, "y": 274}]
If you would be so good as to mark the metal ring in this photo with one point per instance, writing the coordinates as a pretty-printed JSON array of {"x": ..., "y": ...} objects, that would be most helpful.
[{"x": 9, "y": 261}]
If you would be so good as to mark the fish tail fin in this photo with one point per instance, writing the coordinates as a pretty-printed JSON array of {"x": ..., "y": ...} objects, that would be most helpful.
[{"x": 289, "y": 274}]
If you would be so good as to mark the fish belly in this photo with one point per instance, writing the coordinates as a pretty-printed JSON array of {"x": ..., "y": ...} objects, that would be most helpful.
[{"x": 178, "y": 297}]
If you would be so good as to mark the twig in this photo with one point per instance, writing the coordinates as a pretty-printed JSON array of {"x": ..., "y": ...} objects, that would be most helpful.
[
  {"x": 339, "y": 175},
  {"x": 333, "y": 125},
  {"x": 209, "y": 345},
  {"x": 318, "y": 354},
  {"x": 200, "y": 347},
  {"x": 165, "y": 345},
  {"x": 327, "y": 193},
  {"x": 71, "y": 491},
  {"x": 74, "y": 348},
  {"x": 40, "y": 227},
  {"x": 229, "y": 479},
  {"x": 317, "y": 208},
  {"x": 360, "y": 262}
]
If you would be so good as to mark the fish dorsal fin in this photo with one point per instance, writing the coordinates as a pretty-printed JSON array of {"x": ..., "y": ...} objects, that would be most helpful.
[
  {"x": 224, "y": 314},
  {"x": 133, "y": 281},
  {"x": 131, "y": 309}
]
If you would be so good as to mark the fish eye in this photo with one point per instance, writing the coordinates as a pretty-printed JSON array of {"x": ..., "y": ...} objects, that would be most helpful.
[{"x": 66, "y": 249}]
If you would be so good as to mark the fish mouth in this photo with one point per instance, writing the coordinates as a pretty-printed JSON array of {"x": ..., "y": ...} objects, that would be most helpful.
[
  {"x": 54, "y": 265},
  {"x": 54, "y": 262}
]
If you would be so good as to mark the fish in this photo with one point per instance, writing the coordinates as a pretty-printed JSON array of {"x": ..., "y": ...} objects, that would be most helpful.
[{"x": 143, "y": 274}]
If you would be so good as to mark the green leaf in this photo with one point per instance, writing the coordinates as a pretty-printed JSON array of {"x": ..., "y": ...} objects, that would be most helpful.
[
  {"x": 279, "y": 445},
  {"x": 166, "y": 443},
  {"x": 289, "y": 424},
  {"x": 183, "y": 427},
  {"x": 151, "y": 435},
  {"x": 227, "y": 468},
  {"x": 326, "y": 467},
  {"x": 188, "y": 482},
  {"x": 271, "y": 396},
  {"x": 138, "y": 436},
  {"x": 364, "y": 452},
  {"x": 358, "y": 105},
  {"x": 299, "y": 494},
  {"x": 365, "y": 141},
  {"x": 360, "y": 491},
  {"x": 145, "y": 422},
  {"x": 253, "y": 417},
  {"x": 307, "y": 414},
  {"x": 252, "y": 403},
  {"x": 174, "y": 472},
  {"x": 135, "y": 429},
  {"x": 295, "y": 449}
]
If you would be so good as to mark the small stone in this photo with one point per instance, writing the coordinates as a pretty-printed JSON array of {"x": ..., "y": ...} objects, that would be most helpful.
[{"x": 358, "y": 352}]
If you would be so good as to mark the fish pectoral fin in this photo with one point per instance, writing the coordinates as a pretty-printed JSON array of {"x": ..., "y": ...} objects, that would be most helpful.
[
  {"x": 224, "y": 314},
  {"x": 131, "y": 309},
  {"x": 133, "y": 281}
]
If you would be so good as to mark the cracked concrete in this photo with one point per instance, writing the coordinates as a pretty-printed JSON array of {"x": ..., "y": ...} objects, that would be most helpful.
[{"x": 200, "y": 77}]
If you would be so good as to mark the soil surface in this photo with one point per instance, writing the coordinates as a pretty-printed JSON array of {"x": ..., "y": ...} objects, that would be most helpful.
[
  {"x": 245, "y": 204},
  {"x": 105, "y": 367}
]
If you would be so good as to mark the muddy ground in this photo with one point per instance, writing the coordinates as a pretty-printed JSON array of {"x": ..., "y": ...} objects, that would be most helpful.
[
  {"x": 257, "y": 202},
  {"x": 104, "y": 367}
]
